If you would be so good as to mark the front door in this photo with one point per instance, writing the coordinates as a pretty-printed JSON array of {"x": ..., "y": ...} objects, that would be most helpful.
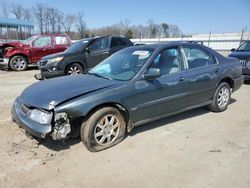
[
  {"x": 41, "y": 47},
  {"x": 97, "y": 51},
  {"x": 164, "y": 95}
]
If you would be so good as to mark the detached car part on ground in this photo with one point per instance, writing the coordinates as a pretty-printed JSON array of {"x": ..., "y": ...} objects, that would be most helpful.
[
  {"x": 132, "y": 87},
  {"x": 243, "y": 54},
  {"x": 18, "y": 55},
  {"x": 81, "y": 56}
]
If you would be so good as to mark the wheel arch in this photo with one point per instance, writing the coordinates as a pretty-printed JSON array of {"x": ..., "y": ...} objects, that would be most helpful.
[
  {"x": 20, "y": 54},
  {"x": 84, "y": 67},
  {"x": 122, "y": 109},
  {"x": 229, "y": 81}
]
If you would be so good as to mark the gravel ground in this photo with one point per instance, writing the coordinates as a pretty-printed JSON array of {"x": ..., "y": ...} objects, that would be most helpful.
[{"x": 197, "y": 148}]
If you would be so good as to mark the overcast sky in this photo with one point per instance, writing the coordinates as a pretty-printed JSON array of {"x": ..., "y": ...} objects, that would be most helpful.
[{"x": 192, "y": 16}]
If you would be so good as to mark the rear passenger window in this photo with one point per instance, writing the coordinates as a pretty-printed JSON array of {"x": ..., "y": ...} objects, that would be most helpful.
[
  {"x": 168, "y": 61},
  {"x": 116, "y": 42},
  {"x": 61, "y": 40},
  {"x": 197, "y": 58}
]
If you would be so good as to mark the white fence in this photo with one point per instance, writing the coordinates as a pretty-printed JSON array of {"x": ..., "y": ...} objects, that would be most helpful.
[{"x": 222, "y": 43}]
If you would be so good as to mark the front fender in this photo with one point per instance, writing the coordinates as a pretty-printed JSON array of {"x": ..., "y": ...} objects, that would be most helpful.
[
  {"x": 10, "y": 52},
  {"x": 82, "y": 106}
]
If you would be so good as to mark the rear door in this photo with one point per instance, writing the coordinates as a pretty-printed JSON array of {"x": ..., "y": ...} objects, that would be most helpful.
[
  {"x": 98, "y": 51},
  {"x": 41, "y": 47},
  {"x": 61, "y": 43},
  {"x": 203, "y": 74}
]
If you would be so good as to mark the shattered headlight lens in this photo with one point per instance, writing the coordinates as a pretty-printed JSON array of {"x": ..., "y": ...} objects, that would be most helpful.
[{"x": 40, "y": 116}]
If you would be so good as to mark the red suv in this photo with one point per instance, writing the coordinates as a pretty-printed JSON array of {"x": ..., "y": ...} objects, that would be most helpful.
[{"x": 17, "y": 55}]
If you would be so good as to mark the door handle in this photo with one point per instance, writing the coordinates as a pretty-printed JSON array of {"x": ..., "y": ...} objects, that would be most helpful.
[
  {"x": 182, "y": 79},
  {"x": 216, "y": 70}
]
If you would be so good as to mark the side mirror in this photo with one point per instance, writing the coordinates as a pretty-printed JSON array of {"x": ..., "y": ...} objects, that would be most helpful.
[
  {"x": 233, "y": 49},
  {"x": 87, "y": 50},
  {"x": 152, "y": 73}
]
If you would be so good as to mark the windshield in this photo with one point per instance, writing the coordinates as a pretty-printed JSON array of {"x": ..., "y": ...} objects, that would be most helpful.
[
  {"x": 122, "y": 65},
  {"x": 77, "y": 46},
  {"x": 245, "y": 46},
  {"x": 29, "y": 40}
]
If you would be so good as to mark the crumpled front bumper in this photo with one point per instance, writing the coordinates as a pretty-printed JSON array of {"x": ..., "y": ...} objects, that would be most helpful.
[
  {"x": 4, "y": 63},
  {"x": 32, "y": 127}
]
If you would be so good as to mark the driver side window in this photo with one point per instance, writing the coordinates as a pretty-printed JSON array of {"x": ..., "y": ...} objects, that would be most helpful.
[
  {"x": 42, "y": 41},
  {"x": 100, "y": 44},
  {"x": 169, "y": 61}
]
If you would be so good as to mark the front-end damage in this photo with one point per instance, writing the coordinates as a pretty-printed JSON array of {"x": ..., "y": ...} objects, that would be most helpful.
[
  {"x": 41, "y": 123},
  {"x": 61, "y": 127}
]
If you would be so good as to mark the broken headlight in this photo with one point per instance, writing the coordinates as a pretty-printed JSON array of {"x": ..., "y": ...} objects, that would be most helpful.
[{"x": 40, "y": 116}]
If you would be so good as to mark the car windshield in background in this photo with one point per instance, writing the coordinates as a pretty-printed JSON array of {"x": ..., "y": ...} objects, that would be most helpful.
[
  {"x": 29, "y": 40},
  {"x": 77, "y": 46},
  {"x": 245, "y": 46},
  {"x": 122, "y": 65}
]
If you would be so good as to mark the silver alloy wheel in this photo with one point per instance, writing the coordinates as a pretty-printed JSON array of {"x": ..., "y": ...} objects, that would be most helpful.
[
  {"x": 74, "y": 70},
  {"x": 19, "y": 63},
  {"x": 223, "y": 97},
  {"x": 107, "y": 129}
]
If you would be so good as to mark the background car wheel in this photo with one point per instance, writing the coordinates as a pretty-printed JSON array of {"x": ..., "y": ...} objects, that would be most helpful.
[
  {"x": 221, "y": 98},
  {"x": 18, "y": 63},
  {"x": 74, "y": 69},
  {"x": 105, "y": 128}
]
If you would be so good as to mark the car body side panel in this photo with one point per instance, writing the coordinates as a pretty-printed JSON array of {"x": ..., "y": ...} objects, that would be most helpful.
[{"x": 202, "y": 84}]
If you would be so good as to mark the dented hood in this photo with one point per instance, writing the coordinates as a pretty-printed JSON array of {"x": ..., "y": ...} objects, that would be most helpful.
[
  {"x": 13, "y": 44},
  {"x": 61, "y": 89}
]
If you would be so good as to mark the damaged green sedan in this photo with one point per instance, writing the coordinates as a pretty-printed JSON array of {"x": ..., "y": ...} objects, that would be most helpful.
[{"x": 132, "y": 87}]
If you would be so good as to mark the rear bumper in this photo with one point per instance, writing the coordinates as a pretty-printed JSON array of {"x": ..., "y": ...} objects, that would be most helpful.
[
  {"x": 238, "y": 82},
  {"x": 32, "y": 127}
]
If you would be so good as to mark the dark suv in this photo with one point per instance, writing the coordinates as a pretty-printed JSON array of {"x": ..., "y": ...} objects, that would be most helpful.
[
  {"x": 243, "y": 54},
  {"x": 81, "y": 56}
]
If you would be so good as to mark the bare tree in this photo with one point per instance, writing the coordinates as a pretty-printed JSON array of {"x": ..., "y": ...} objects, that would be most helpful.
[
  {"x": 52, "y": 19},
  {"x": 39, "y": 11},
  {"x": 27, "y": 14},
  {"x": 81, "y": 25},
  {"x": 4, "y": 6},
  {"x": 174, "y": 31},
  {"x": 17, "y": 10},
  {"x": 59, "y": 19},
  {"x": 68, "y": 22}
]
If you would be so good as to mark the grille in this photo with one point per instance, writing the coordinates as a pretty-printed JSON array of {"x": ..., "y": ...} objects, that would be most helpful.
[{"x": 243, "y": 62}]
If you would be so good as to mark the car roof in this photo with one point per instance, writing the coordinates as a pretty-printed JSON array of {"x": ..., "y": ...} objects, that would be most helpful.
[{"x": 165, "y": 45}]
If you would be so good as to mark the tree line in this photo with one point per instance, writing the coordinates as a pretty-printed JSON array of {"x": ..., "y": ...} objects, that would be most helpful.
[{"x": 49, "y": 19}]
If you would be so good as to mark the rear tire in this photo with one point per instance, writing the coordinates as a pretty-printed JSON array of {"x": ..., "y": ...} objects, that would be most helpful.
[
  {"x": 18, "y": 63},
  {"x": 74, "y": 69},
  {"x": 221, "y": 98},
  {"x": 105, "y": 128}
]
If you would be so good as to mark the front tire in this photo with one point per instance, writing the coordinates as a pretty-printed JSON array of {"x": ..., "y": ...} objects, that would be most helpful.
[
  {"x": 74, "y": 69},
  {"x": 18, "y": 63},
  {"x": 105, "y": 128},
  {"x": 221, "y": 98}
]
